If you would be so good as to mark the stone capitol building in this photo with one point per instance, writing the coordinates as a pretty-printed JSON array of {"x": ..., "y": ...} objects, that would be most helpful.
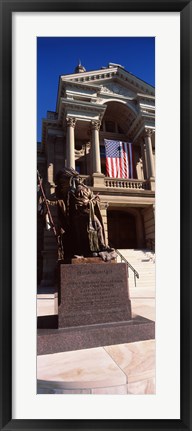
[{"x": 92, "y": 107}]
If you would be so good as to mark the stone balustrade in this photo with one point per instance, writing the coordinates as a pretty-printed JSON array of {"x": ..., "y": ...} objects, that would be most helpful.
[
  {"x": 127, "y": 183},
  {"x": 119, "y": 183}
]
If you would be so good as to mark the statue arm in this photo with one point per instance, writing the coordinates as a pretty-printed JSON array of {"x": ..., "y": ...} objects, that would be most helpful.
[{"x": 52, "y": 203}]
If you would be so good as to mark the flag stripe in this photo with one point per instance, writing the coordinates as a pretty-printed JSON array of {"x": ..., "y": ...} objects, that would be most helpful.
[
  {"x": 126, "y": 161},
  {"x": 130, "y": 160},
  {"x": 119, "y": 159}
]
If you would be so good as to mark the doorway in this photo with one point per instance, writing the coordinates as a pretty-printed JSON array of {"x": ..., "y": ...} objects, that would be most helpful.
[{"x": 121, "y": 229}]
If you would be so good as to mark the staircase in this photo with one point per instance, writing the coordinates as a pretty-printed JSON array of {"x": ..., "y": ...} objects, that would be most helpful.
[{"x": 143, "y": 261}]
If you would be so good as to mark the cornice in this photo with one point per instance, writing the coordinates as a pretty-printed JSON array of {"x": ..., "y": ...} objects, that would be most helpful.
[
  {"x": 146, "y": 97},
  {"x": 109, "y": 72},
  {"x": 148, "y": 116},
  {"x": 106, "y": 75},
  {"x": 89, "y": 73},
  {"x": 128, "y": 196},
  {"x": 80, "y": 110},
  {"x": 70, "y": 84},
  {"x": 79, "y": 104}
]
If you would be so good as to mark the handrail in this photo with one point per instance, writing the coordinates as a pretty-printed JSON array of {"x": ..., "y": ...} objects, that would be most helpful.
[{"x": 136, "y": 274}]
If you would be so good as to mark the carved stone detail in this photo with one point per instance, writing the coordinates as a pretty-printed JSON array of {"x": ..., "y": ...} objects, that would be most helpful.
[
  {"x": 113, "y": 88},
  {"x": 148, "y": 132},
  {"x": 95, "y": 125},
  {"x": 71, "y": 121},
  {"x": 105, "y": 90}
]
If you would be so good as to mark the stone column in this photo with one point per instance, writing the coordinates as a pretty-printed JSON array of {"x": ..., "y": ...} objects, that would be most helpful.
[
  {"x": 149, "y": 152},
  {"x": 50, "y": 170},
  {"x": 95, "y": 150},
  {"x": 71, "y": 121},
  {"x": 144, "y": 159},
  {"x": 50, "y": 165},
  {"x": 103, "y": 209}
]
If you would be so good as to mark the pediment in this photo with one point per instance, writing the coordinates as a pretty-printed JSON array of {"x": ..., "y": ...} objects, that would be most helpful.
[
  {"x": 114, "y": 88},
  {"x": 111, "y": 88},
  {"x": 114, "y": 80},
  {"x": 98, "y": 86}
]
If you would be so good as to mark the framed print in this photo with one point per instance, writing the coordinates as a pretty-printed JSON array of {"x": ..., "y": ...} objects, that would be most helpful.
[{"x": 102, "y": 105}]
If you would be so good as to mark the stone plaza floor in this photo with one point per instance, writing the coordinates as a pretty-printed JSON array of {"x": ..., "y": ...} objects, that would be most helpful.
[{"x": 119, "y": 369}]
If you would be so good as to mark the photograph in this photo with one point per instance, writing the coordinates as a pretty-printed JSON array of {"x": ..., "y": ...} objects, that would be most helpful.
[{"x": 96, "y": 215}]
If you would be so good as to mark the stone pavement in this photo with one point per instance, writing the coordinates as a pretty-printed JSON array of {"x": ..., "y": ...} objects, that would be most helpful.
[{"x": 118, "y": 369}]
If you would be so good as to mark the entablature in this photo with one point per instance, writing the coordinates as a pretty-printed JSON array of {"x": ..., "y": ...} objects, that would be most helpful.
[
  {"x": 105, "y": 77},
  {"x": 85, "y": 111}
]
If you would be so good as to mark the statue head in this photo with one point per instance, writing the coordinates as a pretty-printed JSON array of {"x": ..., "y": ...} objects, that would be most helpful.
[{"x": 63, "y": 181}]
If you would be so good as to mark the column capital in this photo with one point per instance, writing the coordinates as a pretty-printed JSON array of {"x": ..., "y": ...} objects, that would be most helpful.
[
  {"x": 95, "y": 124},
  {"x": 71, "y": 121},
  {"x": 148, "y": 132}
]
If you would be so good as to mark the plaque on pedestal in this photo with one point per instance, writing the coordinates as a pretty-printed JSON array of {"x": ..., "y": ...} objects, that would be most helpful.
[{"x": 93, "y": 294}]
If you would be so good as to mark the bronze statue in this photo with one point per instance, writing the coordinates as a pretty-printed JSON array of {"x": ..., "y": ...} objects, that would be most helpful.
[{"x": 80, "y": 225}]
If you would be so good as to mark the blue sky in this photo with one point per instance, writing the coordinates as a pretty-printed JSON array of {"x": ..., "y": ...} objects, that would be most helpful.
[{"x": 60, "y": 55}]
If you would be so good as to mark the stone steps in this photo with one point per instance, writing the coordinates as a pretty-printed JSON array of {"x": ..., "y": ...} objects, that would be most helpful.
[{"x": 143, "y": 261}]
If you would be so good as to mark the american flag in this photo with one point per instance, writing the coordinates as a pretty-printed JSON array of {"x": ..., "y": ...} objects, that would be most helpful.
[{"x": 119, "y": 159}]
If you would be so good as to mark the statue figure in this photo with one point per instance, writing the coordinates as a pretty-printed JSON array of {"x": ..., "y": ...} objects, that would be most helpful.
[
  {"x": 80, "y": 225},
  {"x": 86, "y": 221}
]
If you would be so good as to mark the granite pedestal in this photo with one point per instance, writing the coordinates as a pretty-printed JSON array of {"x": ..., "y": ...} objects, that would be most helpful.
[
  {"x": 95, "y": 310},
  {"x": 93, "y": 294}
]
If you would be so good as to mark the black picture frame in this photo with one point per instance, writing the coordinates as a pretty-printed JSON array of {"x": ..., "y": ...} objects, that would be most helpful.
[{"x": 184, "y": 7}]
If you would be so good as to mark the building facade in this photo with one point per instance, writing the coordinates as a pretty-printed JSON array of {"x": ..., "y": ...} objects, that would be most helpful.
[{"x": 109, "y": 103}]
